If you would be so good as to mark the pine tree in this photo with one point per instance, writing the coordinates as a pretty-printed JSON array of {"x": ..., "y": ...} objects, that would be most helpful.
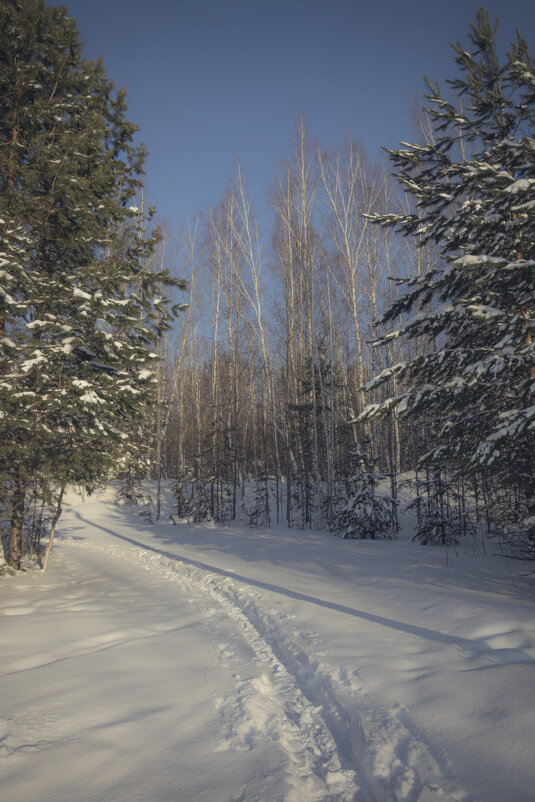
[
  {"x": 472, "y": 189},
  {"x": 363, "y": 514},
  {"x": 78, "y": 301}
]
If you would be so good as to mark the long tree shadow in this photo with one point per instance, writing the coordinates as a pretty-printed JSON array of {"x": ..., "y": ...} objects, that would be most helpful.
[
  {"x": 474, "y": 648},
  {"x": 259, "y": 545}
]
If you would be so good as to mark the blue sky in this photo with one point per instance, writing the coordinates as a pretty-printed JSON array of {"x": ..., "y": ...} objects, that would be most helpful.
[{"x": 209, "y": 82}]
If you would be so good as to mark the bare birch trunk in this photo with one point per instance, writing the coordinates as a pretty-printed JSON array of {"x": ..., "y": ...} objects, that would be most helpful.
[{"x": 55, "y": 519}]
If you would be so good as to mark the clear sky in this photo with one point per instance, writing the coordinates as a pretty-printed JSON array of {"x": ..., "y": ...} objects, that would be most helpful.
[{"x": 210, "y": 81}]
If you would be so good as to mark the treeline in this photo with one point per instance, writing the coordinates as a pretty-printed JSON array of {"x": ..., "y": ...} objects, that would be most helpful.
[
  {"x": 386, "y": 328},
  {"x": 273, "y": 351}
]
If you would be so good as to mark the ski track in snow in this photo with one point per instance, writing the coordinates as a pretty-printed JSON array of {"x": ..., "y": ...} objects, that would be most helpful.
[{"x": 339, "y": 747}]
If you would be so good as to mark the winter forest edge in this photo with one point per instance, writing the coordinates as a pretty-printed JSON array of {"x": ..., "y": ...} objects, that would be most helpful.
[{"x": 382, "y": 339}]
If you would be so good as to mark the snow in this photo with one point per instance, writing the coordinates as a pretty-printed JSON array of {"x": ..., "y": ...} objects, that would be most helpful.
[
  {"x": 521, "y": 185},
  {"x": 91, "y": 398},
  {"x": 483, "y": 312},
  {"x": 145, "y": 374},
  {"x": 38, "y": 359},
  {"x": 103, "y": 325},
  {"x": 78, "y": 293},
  {"x": 218, "y": 663},
  {"x": 471, "y": 260}
]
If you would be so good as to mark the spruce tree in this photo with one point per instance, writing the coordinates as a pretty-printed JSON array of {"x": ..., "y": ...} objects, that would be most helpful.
[
  {"x": 473, "y": 195},
  {"x": 361, "y": 513},
  {"x": 80, "y": 307}
]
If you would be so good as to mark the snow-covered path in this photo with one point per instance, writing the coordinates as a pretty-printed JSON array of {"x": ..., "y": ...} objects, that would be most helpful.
[
  {"x": 180, "y": 663},
  {"x": 112, "y": 691}
]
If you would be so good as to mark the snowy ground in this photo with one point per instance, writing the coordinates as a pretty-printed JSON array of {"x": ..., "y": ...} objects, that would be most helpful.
[{"x": 161, "y": 663}]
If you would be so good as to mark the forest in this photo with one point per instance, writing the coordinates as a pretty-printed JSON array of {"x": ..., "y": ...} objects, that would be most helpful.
[{"x": 379, "y": 336}]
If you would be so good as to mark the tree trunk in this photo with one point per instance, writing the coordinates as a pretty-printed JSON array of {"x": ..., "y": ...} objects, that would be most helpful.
[
  {"x": 17, "y": 520},
  {"x": 55, "y": 519}
]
